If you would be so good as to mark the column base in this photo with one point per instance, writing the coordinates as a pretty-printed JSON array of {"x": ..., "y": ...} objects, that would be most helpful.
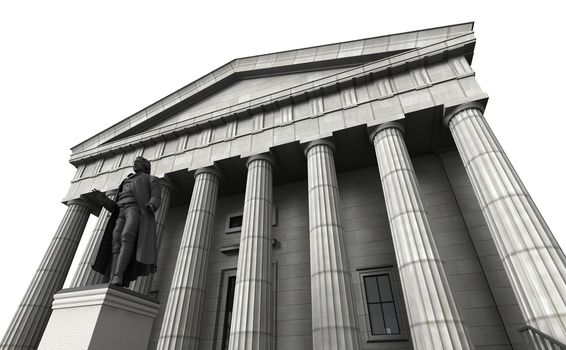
[{"x": 99, "y": 317}]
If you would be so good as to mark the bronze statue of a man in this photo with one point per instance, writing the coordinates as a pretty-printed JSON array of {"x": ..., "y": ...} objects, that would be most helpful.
[{"x": 128, "y": 247}]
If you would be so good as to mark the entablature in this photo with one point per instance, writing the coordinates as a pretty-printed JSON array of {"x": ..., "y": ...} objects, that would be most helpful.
[
  {"x": 375, "y": 99},
  {"x": 398, "y": 65},
  {"x": 341, "y": 54}
]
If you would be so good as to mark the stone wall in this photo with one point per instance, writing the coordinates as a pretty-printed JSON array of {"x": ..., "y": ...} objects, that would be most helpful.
[{"x": 475, "y": 273}]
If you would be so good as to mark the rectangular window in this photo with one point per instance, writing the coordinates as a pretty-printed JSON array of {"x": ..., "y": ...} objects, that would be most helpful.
[
  {"x": 381, "y": 306},
  {"x": 230, "y": 288},
  {"x": 234, "y": 222},
  {"x": 384, "y": 310}
]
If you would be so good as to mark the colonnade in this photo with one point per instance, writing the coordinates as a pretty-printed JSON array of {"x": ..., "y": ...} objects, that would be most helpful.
[{"x": 534, "y": 263}]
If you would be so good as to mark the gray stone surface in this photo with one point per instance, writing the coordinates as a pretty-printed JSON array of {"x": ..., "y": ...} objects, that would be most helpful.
[
  {"x": 471, "y": 217},
  {"x": 181, "y": 319},
  {"x": 252, "y": 320},
  {"x": 102, "y": 317},
  {"x": 535, "y": 264},
  {"x": 434, "y": 317},
  {"x": 383, "y": 44},
  {"x": 443, "y": 85},
  {"x": 275, "y": 103},
  {"x": 32, "y": 315},
  {"x": 334, "y": 324}
]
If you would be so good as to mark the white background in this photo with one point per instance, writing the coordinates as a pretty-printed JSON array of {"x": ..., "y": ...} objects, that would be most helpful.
[{"x": 70, "y": 69}]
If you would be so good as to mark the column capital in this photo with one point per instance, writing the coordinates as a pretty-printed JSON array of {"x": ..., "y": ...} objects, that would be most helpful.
[
  {"x": 450, "y": 112},
  {"x": 77, "y": 201},
  {"x": 209, "y": 169},
  {"x": 92, "y": 208},
  {"x": 318, "y": 142},
  {"x": 165, "y": 182},
  {"x": 377, "y": 129},
  {"x": 262, "y": 156}
]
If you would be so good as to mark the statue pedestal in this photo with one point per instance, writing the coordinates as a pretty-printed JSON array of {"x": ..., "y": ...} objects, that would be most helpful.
[{"x": 99, "y": 317}]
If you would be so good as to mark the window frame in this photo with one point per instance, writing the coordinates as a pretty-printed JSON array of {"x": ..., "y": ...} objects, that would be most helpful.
[
  {"x": 225, "y": 275},
  {"x": 398, "y": 303},
  {"x": 227, "y": 228}
]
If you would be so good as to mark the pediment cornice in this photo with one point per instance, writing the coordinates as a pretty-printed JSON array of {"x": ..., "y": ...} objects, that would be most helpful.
[{"x": 131, "y": 131}]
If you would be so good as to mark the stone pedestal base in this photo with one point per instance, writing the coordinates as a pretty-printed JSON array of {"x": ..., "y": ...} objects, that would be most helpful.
[{"x": 99, "y": 317}]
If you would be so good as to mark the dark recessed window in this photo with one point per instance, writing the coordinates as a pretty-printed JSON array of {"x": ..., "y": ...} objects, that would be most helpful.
[
  {"x": 235, "y": 221},
  {"x": 228, "y": 311},
  {"x": 381, "y": 307}
]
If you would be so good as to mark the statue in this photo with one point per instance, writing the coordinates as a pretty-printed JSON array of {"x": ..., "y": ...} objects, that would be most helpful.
[{"x": 128, "y": 247}]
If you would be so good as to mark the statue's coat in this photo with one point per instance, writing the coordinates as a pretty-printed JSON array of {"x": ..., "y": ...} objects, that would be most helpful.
[{"x": 146, "y": 189}]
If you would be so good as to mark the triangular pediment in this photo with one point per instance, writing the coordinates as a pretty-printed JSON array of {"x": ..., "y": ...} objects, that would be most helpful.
[
  {"x": 243, "y": 91},
  {"x": 251, "y": 78}
]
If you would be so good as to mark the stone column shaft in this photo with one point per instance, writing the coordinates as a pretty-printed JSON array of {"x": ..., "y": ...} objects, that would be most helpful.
[
  {"x": 85, "y": 275},
  {"x": 333, "y": 312},
  {"x": 143, "y": 283},
  {"x": 433, "y": 316},
  {"x": 533, "y": 260},
  {"x": 31, "y": 317},
  {"x": 182, "y": 317},
  {"x": 252, "y": 311}
]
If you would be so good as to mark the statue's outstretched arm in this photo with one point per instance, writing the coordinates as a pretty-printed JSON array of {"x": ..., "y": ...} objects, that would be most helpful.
[{"x": 104, "y": 201}]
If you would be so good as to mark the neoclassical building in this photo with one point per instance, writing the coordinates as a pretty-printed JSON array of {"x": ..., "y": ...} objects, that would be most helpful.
[{"x": 345, "y": 196}]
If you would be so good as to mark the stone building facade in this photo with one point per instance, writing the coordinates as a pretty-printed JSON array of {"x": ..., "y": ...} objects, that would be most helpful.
[{"x": 345, "y": 196}]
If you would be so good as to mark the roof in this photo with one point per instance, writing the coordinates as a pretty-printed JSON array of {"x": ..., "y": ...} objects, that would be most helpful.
[{"x": 344, "y": 54}]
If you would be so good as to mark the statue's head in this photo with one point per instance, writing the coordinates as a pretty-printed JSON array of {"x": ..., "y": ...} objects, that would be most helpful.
[{"x": 142, "y": 164}]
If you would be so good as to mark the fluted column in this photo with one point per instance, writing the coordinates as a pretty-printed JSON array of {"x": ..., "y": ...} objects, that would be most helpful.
[
  {"x": 182, "y": 317},
  {"x": 143, "y": 283},
  {"x": 433, "y": 316},
  {"x": 85, "y": 275},
  {"x": 532, "y": 258},
  {"x": 252, "y": 317},
  {"x": 333, "y": 313},
  {"x": 31, "y": 317}
]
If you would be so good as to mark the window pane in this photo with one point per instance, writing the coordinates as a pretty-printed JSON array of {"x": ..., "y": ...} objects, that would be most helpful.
[
  {"x": 371, "y": 289},
  {"x": 228, "y": 311},
  {"x": 235, "y": 221},
  {"x": 384, "y": 288},
  {"x": 376, "y": 319},
  {"x": 391, "y": 326}
]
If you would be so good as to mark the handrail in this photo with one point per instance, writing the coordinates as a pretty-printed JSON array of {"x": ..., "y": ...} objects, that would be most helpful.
[{"x": 540, "y": 340}]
